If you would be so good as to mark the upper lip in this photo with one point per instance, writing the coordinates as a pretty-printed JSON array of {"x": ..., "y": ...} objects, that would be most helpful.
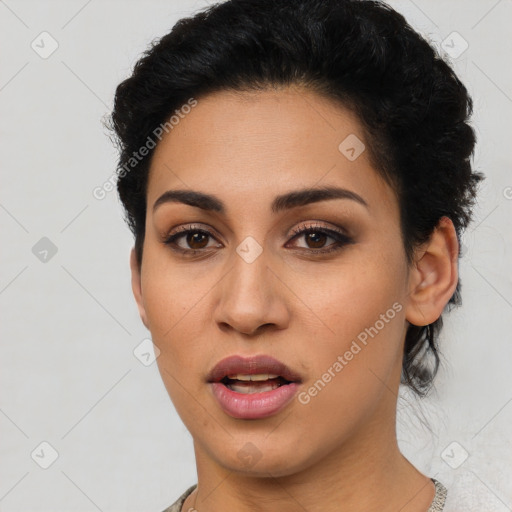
[{"x": 252, "y": 365}]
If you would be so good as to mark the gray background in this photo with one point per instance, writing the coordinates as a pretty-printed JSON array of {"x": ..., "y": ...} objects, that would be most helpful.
[{"x": 68, "y": 373}]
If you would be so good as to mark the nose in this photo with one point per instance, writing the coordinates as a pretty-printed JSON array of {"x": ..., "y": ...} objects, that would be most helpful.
[{"x": 252, "y": 297}]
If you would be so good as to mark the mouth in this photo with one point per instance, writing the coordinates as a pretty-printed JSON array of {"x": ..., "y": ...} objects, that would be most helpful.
[
  {"x": 254, "y": 387},
  {"x": 253, "y": 369},
  {"x": 249, "y": 384}
]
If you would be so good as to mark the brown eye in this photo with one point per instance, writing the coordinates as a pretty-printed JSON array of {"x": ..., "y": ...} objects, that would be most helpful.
[
  {"x": 316, "y": 239},
  {"x": 189, "y": 240},
  {"x": 197, "y": 240}
]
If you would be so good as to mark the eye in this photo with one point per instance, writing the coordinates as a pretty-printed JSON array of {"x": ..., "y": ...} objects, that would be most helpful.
[
  {"x": 190, "y": 240},
  {"x": 316, "y": 236}
]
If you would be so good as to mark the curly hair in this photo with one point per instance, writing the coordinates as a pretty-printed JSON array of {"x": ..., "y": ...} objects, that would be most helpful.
[{"x": 359, "y": 53}]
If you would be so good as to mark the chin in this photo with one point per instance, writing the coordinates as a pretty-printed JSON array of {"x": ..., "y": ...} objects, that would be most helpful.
[{"x": 262, "y": 458}]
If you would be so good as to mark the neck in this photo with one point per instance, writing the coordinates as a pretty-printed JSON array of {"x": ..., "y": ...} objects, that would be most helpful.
[{"x": 367, "y": 473}]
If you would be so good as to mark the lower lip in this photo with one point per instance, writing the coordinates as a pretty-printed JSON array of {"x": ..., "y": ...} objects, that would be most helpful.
[{"x": 253, "y": 406}]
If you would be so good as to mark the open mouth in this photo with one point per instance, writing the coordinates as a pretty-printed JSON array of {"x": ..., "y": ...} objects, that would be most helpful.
[
  {"x": 254, "y": 396},
  {"x": 252, "y": 387},
  {"x": 249, "y": 384}
]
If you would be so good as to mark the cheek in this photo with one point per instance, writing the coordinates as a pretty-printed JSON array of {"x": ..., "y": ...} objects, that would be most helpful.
[
  {"x": 361, "y": 319},
  {"x": 171, "y": 296},
  {"x": 353, "y": 368},
  {"x": 353, "y": 296},
  {"x": 179, "y": 319},
  {"x": 174, "y": 323}
]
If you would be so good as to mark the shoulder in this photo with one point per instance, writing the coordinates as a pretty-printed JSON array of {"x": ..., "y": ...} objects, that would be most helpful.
[{"x": 176, "y": 506}]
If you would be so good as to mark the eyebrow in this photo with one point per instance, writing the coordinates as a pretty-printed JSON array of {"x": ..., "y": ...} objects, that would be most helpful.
[{"x": 282, "y": 202}]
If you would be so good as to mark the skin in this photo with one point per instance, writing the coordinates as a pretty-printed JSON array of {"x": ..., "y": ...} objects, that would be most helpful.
[{"x": 292, "y": 303}]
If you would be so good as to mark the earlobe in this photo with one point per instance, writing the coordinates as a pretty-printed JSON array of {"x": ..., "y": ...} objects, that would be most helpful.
[
  {"x": 434, "y": 276},
  {"x": 137, "y": 287}
]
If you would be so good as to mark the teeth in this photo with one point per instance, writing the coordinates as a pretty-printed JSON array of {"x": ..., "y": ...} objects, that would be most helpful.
[
  {"x": 247, "y": 390},
  {"x": 256, "y": 377}
]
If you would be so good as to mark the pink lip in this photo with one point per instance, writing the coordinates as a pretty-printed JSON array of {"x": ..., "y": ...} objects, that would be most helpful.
[
  {"x": 253, "y": 405},
  {"x": 256, "y": 405}
]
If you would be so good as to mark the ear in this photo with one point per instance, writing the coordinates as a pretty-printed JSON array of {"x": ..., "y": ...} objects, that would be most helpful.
[
  {"x": 137, "y": 287},
  {"x": 433, "y": 278}
]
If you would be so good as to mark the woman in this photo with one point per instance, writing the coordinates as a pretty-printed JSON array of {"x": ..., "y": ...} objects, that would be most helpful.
[{"x": 297, "y": 176}]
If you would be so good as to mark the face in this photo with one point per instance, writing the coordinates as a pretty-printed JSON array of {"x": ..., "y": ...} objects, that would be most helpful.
[{"x": 320, "y": 283}]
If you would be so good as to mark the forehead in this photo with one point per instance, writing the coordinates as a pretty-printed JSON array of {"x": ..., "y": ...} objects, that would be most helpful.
[{"x": 243, "y": 145}]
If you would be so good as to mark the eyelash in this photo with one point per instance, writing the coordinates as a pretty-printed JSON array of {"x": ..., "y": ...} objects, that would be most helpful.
[{"x": 340, "y": 238}]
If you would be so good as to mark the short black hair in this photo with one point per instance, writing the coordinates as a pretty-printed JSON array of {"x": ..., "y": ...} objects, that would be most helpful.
[{"x": 359, "y": 53}]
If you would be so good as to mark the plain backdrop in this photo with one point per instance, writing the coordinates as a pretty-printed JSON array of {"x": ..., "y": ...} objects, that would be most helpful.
[{"x": 74, "y": 396}]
